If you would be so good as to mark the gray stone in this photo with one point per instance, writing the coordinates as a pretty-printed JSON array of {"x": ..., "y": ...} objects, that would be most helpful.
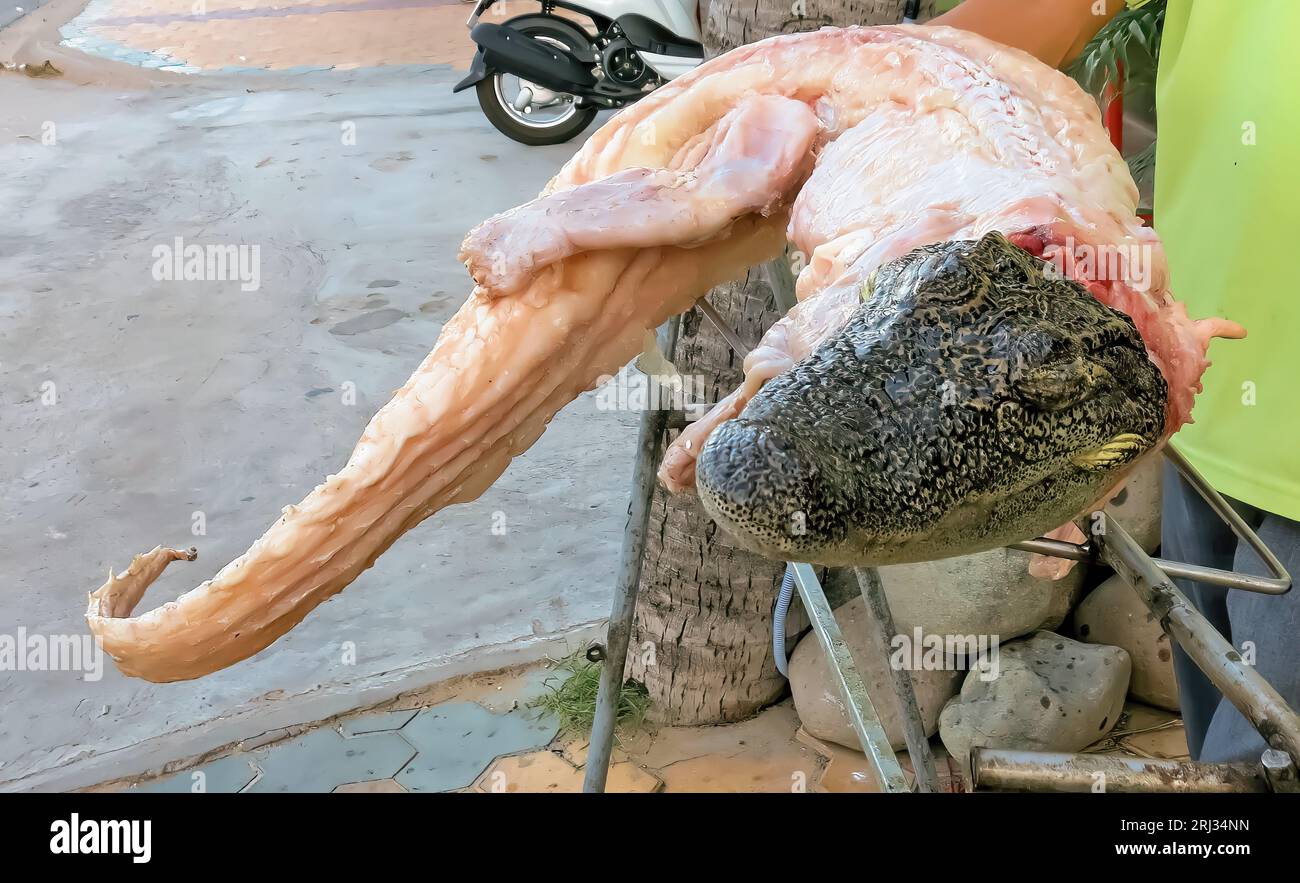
[
  {"x": 818, "y": 702},
  {"x": 1137, "y": 505},
  {"x": 1050, "y": 693},
  {"x": 989, "y": 593},
  {"x": 11, "y": 12},
  {"x": 1113, "y": 614}
]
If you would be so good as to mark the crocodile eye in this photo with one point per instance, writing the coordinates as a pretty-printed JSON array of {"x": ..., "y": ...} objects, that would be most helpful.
[
  {"x": 1056, "y": 386},
  {"x": 1123, "y": 448}
]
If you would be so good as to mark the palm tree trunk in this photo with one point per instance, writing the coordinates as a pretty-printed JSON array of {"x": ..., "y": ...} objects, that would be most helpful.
[{"x": 701, "y": 639}]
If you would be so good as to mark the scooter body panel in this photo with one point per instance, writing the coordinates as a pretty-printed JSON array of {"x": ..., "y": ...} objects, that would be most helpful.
[
  {"x": 478, "y": 70},
  {"x": 677, "y": 16},
  {"x": 550, "y": 66},
  {"x": 669, "y": 66}
]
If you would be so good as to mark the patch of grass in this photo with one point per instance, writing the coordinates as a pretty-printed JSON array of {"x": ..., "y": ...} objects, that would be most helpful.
[{"x": 571, "y": 696}]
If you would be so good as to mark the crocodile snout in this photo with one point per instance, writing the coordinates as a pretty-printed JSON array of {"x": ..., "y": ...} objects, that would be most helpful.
[{"x": 971, "y": 402}]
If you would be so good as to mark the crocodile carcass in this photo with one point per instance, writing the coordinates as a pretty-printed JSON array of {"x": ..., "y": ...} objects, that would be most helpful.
[{"x": 956, "y": 168}]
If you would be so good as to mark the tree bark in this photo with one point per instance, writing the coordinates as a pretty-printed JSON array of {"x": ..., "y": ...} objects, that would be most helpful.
[
  {"x": 701, "y": 639},
  {"x": 728, "y": 23}
]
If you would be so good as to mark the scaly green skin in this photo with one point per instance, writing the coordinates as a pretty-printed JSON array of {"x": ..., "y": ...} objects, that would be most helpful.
[{"x": 970, "y": 402}]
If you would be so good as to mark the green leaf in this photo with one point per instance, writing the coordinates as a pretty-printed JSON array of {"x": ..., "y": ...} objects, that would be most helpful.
[
  {"x": 1140, "y": 24},
  {"x": 1140, "y": 165},
  {"x": 1135, "y": 31}
]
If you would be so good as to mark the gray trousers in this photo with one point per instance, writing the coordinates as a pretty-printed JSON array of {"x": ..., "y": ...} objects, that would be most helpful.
[{"x": 1268, "y": 625}]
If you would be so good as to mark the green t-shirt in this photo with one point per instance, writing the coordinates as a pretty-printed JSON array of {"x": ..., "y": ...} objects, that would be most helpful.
[{"x": 1227, "y": 207}]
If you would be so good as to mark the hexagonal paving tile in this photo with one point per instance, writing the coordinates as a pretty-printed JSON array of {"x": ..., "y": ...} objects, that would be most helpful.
[
  {"x": 321, "y": 760},
  {"x": 576, "y": 753},
  {"x": 628, "y": 778},
  {"x": 545, "y": 772},
  {"x": 457, "y": 740},
  {"x": 538, "y": 772},
  {"x": 226, "y": 775},
  {"x": 377, "y": 722}
]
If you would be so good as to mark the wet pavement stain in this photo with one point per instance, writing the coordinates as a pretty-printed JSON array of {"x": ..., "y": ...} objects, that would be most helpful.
[{"x": 369, "y": 322}]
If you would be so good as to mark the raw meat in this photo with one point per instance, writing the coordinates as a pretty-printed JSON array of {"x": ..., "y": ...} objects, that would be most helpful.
[{"x": 918, "y": 134}]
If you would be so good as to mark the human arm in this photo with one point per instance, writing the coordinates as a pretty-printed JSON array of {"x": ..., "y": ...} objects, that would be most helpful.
[{"x": 1054, "y": 31}]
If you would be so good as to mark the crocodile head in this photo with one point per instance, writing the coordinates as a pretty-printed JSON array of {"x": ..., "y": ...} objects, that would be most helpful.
[{"x": 974, "y": 399}]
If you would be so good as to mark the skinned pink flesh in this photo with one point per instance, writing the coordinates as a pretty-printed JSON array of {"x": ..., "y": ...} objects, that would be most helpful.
[
  {"x": 948, "y": 136},
  {"x": 502, "y": 367},
  {"x": 954, "y": 138}
]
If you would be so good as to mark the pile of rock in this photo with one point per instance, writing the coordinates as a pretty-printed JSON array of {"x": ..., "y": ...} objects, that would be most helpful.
[{"x": 1021, "y": 684}]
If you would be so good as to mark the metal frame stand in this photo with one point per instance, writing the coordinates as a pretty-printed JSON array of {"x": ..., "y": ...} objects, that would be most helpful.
[
  {"x": 1254, "y": 697},
  {"x": 881, "y": 620},
  {"x": 1110, "y": 543},
  {"x": 862, "y": 713},
  {"x": 614, "y": 653}
]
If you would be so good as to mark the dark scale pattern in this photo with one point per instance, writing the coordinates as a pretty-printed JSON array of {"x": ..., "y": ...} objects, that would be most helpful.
[{"x": 960, "y": 408}]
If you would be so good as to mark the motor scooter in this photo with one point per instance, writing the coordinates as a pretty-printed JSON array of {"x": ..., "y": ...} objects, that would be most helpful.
[{"x": 542, "y": 77}]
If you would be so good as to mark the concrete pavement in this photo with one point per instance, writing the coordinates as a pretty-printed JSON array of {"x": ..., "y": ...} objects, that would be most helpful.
[
  {"x": 12, "y": 11},
  {"x": 137, "y": 410},
  {"x": 240, "y": 35}
]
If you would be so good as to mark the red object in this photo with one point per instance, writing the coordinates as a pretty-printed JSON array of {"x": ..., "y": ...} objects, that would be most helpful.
[
  {"x": 1029, "y": 241},
  {"x": 1113, "y": 101}
]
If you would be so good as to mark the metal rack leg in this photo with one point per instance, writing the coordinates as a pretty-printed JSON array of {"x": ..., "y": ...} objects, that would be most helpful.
[
  {"x": 862, "y": 714},
  {"x": 1240, "y": 683},
  {"x": 1277, "y": 584},
  {"x": 649, "y": 447},
  {"x": 882, "y": 626}
]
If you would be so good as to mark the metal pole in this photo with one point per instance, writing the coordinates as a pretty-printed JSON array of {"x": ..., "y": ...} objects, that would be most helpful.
[
  {"x": 1280, "y": 771},
  {"x": 862, "y": 714},
  {"x": 883, "y": 631},
  {"x": 779, "y": 276},
  {"x": 1277, "y": 584},
  {"x": 649, "y": 445},
  {"x": 1243, "y": 686},
  {"x": 1005, "y": 770},
  {"x": 1247, "y": 582},
  {"x": 720, "y": 325},
  {"x": 1280, "y": 582}
]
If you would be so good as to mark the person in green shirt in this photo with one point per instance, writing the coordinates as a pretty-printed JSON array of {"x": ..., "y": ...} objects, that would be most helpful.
[{"x": 1227, "y": 204}]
